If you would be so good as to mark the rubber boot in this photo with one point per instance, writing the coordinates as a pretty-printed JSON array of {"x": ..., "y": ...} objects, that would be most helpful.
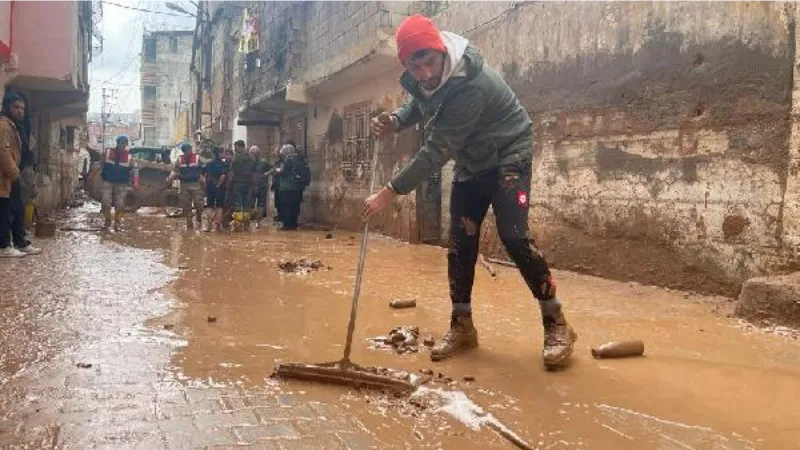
[
  {"x": 118, "y": 221},
  {"x": 206, "y": 222},
  {"x": 106, "y": 220},
  {"x": 461, "y": 336},
  {"x": 559, "y": 338}
]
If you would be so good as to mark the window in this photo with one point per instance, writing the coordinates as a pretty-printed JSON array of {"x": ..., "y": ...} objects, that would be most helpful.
[
  {"x": 149, "y": 93},
  {"x": 150, "y": 49},
  {"x": 71, "y": 137},
  {"x": 356, "y": 158},
  {"x": 173, "y": 44},
  {"x": 251, "y": 61}
]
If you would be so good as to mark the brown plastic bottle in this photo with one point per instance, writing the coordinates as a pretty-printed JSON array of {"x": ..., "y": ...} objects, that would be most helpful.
[
  {"x": 619, "y": 349},
  {"x": 398, "y": 304}
]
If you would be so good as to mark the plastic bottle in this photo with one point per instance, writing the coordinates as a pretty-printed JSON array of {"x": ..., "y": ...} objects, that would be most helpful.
[
  {"x": 619, "y": 349},
  {"x": 398, "y": 304}
]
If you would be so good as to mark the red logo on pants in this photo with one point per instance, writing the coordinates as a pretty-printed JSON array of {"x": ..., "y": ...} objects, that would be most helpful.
[{"x": 522, "y": 199}]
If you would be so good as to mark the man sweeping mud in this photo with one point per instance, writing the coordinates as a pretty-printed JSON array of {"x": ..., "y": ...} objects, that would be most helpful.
[{"x": 473, "y": 117}]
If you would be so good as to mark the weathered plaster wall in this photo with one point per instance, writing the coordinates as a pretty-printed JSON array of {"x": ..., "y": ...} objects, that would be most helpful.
[
  {"x": 340, "y": 166},
  {"x": 339, "y": 34},
  {"x": 662, "y": 131}
]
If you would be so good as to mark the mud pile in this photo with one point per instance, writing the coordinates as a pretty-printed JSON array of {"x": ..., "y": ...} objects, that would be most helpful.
[{"x": 299, "y": 266}]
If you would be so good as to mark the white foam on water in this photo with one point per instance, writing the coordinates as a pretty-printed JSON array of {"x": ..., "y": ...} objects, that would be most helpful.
[{"x": 460, "y": 407}]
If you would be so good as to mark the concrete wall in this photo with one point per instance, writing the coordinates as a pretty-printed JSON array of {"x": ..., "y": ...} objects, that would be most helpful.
[
  {"x": 341, "y": 165},
  {"x": 341, "y": 33},
  {"x": 662, "y": 134},
  {"x": 47, "y": 25},
  {"x": 662, "y": 140},
  {"x": 58, "y": 174}
]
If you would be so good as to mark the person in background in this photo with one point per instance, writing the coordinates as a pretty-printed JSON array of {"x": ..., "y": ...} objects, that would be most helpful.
[
  {"x": 274, "y": 188},
  {"x": 119, "y": 171},
  {"x": 15, "y": 154},
  {"x": 242, "y": 176},
  {"x": 187, "y": 169},
  {"x": 216, "y": 173},
  {"x": 262, "y": 171},
  {"x": 293, "y": 178}
]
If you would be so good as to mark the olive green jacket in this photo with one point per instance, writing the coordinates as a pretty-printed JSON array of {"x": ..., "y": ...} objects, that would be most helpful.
[{"x": 475, "y": 119}]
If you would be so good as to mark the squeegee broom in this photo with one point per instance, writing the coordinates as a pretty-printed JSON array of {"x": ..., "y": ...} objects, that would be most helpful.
[{"x": 344, "y": 371}]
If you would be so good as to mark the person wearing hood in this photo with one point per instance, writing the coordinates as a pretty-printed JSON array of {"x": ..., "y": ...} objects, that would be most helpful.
[
  {"x": 187, "y": 169},
  {"x": 15, "y": 158},
  {"x": 470, "y": 115},
  {"x": 292, "y": 180},
  {"x": 119, "y": 172}
]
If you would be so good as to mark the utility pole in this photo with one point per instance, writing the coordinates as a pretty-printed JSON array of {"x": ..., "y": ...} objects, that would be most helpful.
[
  {"x": 198, "y": 48},
  {"x": 103, "y": 118},
  {"x": 108, "y": 103}
]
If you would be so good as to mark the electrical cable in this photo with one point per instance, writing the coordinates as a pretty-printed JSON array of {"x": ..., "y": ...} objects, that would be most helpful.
[{"x": 145, "y": 10}]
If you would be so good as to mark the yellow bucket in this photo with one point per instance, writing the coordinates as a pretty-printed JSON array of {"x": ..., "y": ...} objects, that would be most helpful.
[
  {"x": 241, "y": 216},
  {"x": 29, "y": 214}
]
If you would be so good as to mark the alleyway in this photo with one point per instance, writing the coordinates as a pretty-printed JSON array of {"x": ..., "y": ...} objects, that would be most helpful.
[{"x": 136, "y": 305}]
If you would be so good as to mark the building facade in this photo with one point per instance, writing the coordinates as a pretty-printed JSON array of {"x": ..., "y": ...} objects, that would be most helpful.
[
  {"x": 662, "y": 154},
  {"x": 165, "y": 87},
  {"x": 50, "y": 44}
]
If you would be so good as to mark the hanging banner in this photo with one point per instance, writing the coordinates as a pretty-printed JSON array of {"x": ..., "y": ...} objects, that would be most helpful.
[{"x": 251, "y": 26}]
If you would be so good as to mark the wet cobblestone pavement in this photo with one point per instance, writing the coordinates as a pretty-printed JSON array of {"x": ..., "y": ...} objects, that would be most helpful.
[{"x": 81, "y": 369}]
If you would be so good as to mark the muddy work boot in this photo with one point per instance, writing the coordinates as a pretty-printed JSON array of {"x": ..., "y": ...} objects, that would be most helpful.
[
  {"x": 106, "y": 220},
  {"x": 461, "y": 336},
  {"x": 118, "y": 221},
  {"x": 559, "y": 337}
]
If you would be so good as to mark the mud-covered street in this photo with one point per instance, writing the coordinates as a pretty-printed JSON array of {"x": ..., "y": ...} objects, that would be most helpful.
[{"x": 161, "y": 338}]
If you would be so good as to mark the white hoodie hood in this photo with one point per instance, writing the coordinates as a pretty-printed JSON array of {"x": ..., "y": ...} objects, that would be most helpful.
[{"x": 454, "y": 64}]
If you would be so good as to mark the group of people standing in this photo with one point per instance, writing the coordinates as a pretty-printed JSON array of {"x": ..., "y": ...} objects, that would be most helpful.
[
  {"x": 216, "y": 186},
  {"x": 235, "y": 186}
]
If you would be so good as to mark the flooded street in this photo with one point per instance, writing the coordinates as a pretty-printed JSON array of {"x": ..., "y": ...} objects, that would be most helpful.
[{"x": 161, "y": 338}]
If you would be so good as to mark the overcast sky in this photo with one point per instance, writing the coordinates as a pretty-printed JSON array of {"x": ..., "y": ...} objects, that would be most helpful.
[{"x": 117, "y": 65}]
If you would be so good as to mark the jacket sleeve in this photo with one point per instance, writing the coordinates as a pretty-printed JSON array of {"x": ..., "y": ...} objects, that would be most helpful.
[
  {"x": 408, "y": 114},
  {"x": 452, "y": 127},
  {"x": 8, "y": 166}
]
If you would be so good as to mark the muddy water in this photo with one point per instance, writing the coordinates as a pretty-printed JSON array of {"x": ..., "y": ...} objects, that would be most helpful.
[{"x": 704, "y": 382}]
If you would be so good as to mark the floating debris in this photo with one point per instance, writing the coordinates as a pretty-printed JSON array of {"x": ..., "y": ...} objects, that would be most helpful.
[
  {"x": 400, "y": 304},
  {"x": 619, "y": 349},
  {"x": 300, "y": 266},
  {"x": 403, "y": 339},
  {"x": 83, "y": 365},
  {"x": 212, "y": 319}
]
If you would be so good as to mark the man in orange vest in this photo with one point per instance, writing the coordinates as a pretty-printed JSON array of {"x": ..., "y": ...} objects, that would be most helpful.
[
  {"x": 119, "y": 172},
  {"x": 187, "y": 169}
]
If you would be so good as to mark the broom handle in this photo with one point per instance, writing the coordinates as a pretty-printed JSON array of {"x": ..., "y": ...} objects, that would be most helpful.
[{"x": 351, "y": 326}]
